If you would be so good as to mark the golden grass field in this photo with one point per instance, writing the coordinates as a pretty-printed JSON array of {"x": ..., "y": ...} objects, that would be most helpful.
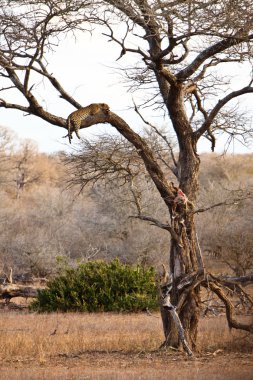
[{"x": 115, "y": 346}]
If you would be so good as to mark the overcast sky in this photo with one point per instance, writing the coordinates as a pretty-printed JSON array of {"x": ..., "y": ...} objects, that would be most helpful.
[{"x": 87, "y": 70}]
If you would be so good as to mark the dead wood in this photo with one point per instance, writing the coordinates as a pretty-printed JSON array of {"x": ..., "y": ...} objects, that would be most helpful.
[
  {"x": 243, "y": 280},
  {"x": 215, "y": 287},
  {"x": 172, "y": 311},
  {"x": 14, "y": 290}
]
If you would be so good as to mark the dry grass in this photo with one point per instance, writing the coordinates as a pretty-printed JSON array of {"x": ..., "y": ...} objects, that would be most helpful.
[
  {"x": 113, "y": 346},
  {"x": 34, "y": 336}
]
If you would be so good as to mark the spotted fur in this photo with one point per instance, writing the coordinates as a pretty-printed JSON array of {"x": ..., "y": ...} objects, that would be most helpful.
[{"x": 76, "y": 118}]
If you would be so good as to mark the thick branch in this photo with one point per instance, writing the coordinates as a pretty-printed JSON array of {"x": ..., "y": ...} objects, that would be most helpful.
[
  {"x": 144, "y": 151},
  {"x": 244, "y": 280},
  {"x": 221, "y": 103},
  {"x": 36, "y": 110},
  {"x": 154, "y": 170},
  {"x": 4, "y": 104},
  {"x": 232, "y": 322},
  {"x": 172, "y": 310},
  {"x": 211, "y": 51},
  {"x": 166, "y": 73}
]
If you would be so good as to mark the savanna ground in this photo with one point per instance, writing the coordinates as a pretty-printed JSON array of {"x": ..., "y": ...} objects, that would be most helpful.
[{"x": 115, "y": 346}]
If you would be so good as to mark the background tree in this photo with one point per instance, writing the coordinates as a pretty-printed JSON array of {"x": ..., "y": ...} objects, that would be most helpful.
[
  {"x": 181, "y": 50},
  {"x": 24, "y": 167},
  {"x": 119, "y": 186},
  {"x": 6, "y": 148}
]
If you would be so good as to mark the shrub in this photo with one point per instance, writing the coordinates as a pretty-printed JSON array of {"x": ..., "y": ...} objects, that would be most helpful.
[{"x": 100, "y": 286}]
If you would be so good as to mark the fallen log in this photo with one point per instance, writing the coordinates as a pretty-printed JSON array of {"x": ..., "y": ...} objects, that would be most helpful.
[
  {"x": 9, "y": 291},
  {"x": 243, "y": 280}
]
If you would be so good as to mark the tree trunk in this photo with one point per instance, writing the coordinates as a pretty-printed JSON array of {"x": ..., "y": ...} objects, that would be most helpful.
[
  {"x": 186, "y": 265},
  {"x": 185, "y": 292}
]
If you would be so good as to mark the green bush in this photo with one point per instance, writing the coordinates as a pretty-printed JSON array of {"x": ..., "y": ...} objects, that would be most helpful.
[{"x": 100, "y": 286}]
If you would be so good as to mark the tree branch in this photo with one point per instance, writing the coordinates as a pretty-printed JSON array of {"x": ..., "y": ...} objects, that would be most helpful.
[
  {"x": 165, "y": 189},
  {"x": 232, "y": 322},
  {"x": 210, "y": 135},
  {"x": 124, "y": 49},
  {"x": 244, "y": 280},
  {"x": 156, "y": 173},
  {"x": 63, "y": 94},
  {"x": 165, "y": 139},
  {"x": 36, "y": 110},
  {"x": 4, "y": 104},
  {"x": 221, "y": 103},
  {"x": 211, "y": 51},
  {"x": 157, "y": 223},
  {"x": 14, "y": 290}
]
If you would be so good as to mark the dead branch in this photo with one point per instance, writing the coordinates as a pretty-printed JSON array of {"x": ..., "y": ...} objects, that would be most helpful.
[
  {"x": 14, "y": 290},
  {"x": 232, "y": 322},
  {"x": 209, "y": 52},
  {"x": 189, "y": 283},
  {"x": 235, "y": 286},
  {"x": 227, "y": 202},
  {"x": 173, "y": 313},
  {"x": 243, "y": 280},
  {"x": 166, "y": 304},
  {"x": 157, "y": 223},
  {"x": 221, "y": 103}
]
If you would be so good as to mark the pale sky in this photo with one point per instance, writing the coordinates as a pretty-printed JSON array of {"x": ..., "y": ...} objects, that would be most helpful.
[{"x": 85, "y": 68}]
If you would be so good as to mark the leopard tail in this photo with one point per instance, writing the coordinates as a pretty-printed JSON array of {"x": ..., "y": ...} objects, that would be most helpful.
[{"x": 69, "y": 129}]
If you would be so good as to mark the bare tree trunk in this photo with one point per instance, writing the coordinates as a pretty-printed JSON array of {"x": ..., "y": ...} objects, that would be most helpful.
[
  {"x": 185, "y": 297},
  {"x": 186, "y": 265}
]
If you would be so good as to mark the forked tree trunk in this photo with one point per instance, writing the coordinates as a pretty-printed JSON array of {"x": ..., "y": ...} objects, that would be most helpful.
[
  {"x": 186, "y": 271},
  {"x": 186, "y": 266}
]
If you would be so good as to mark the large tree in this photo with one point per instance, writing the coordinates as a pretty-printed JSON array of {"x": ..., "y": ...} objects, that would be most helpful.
[{"x": 182, "y": 51}]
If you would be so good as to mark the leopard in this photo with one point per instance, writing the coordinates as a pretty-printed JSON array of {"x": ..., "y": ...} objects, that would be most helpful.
[{"x": 76, "y": 118}]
